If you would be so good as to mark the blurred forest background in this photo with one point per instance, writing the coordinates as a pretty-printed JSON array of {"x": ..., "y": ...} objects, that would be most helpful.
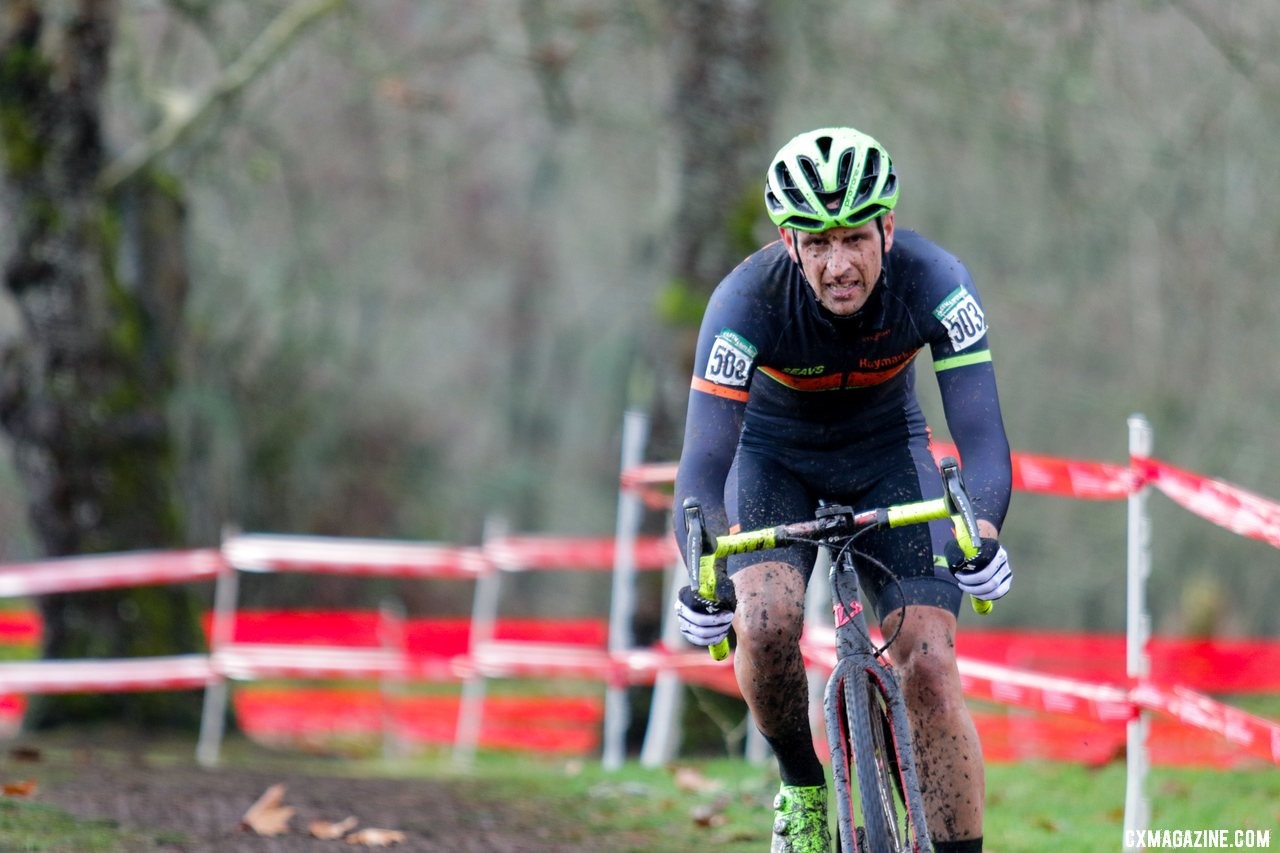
[{"x": 385, "y": 269}]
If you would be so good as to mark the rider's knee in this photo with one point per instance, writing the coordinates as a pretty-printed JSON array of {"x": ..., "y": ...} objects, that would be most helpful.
[
  {"x": 770, "y": 610},
  {"x": 930, "y": 676}
]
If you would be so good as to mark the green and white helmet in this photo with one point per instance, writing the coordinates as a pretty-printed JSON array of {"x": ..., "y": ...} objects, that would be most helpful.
[{"x": 834, "y": 177}]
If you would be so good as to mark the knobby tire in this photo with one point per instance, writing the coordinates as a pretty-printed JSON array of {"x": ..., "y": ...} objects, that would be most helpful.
[
  {"x": 883, "y": 761},
  {"x": 843, "y": 776}
]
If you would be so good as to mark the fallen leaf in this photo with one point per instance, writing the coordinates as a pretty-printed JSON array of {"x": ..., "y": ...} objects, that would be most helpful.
[
  {"x": 1048, "y": 824},
  {"x": 691, "y": 780},
  {"x": 267, "y": 816},
  {"x": 25, "y": 753},
  {"x": 25, "y": 788},
  {"x": 376, "y": 837},
  {"x": 710, "y": 814},
  {"x": 328, "y": 831},
  {"x": 706, "y": 817}
]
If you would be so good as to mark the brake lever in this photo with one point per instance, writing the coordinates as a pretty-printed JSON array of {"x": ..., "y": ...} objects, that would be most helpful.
[
  {"x": 963, "y": 517},
  {"x": 704, "y": 575}
]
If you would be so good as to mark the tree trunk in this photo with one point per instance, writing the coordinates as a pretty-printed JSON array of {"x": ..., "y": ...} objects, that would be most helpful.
[
  {"x": 99, "y": 283},
  {"x": 723, "y": 57}
]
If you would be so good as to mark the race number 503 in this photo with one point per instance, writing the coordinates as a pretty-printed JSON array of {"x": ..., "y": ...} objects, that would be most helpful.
[
  {"x": 963, "y": 317},
  {"x": 730, "y": 360}
]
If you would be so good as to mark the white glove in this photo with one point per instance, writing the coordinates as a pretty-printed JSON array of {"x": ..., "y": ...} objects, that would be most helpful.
[
  {"x": 986, "y": 575},
  {"x": 702, "y": 622}
]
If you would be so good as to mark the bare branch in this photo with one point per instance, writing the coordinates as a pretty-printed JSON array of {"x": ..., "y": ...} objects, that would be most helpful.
[
  {"x": 268, "y": 46},
  {"x": 1249, "y": 64}
]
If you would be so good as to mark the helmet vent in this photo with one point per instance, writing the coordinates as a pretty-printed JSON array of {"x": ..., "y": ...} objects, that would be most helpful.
[
  {"x": 870, "y": 172},
  {"x": 810, "y": 173},
  {"x": 845, "y": 169},
  {"x": 787, "y": 184},
  {"x": 890, "y": 183},
  {"x": 824, "y": 146}
]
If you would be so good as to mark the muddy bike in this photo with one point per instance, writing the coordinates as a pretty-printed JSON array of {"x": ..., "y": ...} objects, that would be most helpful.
[{"x": 865, "y": 713}]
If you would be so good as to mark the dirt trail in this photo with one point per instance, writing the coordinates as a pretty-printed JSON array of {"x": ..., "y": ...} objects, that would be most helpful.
[{"x": 203, "y": 808}]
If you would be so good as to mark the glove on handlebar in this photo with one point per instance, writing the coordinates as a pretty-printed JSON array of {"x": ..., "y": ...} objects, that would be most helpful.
[
  {"x": 987, "y": 575},
  {"x": 702, "y": 623}
]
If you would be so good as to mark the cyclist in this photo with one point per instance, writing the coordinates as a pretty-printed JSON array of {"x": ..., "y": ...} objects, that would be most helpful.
[{"x": 803, "y": 389}]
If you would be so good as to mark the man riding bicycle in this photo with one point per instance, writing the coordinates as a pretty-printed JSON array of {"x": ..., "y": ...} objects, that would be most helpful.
[{"x": 803, "y": 390}]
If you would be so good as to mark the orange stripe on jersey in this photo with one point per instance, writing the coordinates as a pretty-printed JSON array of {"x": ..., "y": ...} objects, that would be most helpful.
[
  {"x": 804, "y": 383},
  {"x": 700, "y": 384}
]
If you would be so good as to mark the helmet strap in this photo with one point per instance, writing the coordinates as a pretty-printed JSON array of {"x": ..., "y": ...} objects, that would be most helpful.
[
  {"x": 884, "y": 255},
  {"x": 795, "y": 247}
]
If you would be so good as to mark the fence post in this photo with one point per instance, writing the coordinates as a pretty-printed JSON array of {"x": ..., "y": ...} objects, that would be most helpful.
[
  {"x": 213, "y": 717},
  {"x": 1137, "y": 809},
  {"x": 391, "y": 693},
  {"x": 484, "y": 618},
  {"x": 617, "y": 710},
  {"x": 663, "y": 734}
]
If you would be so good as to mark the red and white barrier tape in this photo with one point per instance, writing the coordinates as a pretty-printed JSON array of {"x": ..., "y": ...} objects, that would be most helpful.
[
  {"x": 1000, "y": 684},
  {"x": 520, "y": 553},
  {"x": 264, "y": 552},
  {"x": 1255, "y": 735},
  {"x": 276, "y": 553},
  {"x": 104, "y": 571},
  {"x": 1228, "y": 506},
  {"x": 1075, "y": 478},
  {"x": 120, "y": 675},
  {"x": 651, "y": 482},
  {"x": 1038, "y": 692},
  {"x": 245, "y": 661}
]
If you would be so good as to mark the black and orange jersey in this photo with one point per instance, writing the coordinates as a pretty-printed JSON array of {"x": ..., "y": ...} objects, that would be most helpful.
[{"x": 775, "y": 369}]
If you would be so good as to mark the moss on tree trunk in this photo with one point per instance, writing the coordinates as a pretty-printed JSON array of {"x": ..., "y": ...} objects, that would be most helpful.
[{"x": 84, "y": 388}]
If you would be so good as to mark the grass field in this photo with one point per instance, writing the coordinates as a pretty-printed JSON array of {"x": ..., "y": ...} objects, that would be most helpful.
[
  {"x": 720, "y": 805},
  {"x": 1031, "y": 807}
]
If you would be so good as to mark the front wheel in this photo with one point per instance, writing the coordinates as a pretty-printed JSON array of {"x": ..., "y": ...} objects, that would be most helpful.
[{"x": 880, "y": 740}]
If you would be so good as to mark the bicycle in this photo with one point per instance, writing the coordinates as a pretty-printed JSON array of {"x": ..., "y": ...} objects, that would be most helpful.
[{"x": 864, "y": 709}]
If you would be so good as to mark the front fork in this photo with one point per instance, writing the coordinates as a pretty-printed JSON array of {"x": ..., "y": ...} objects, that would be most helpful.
[
  {"x": 855, "y": 650},
  {"x": 839, "y": 740}
]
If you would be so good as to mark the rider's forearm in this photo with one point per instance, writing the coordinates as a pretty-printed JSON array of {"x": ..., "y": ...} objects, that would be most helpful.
[
  {"x": 972, "y": 409},
  {"x": 710, "y": 442},
  {"x": 700, "y": 476}
]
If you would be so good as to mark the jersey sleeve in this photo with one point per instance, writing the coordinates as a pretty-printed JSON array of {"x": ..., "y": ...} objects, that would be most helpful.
[
  {"x": 967, "y": 383},
  {"x": 724, "y": 364},
  {"x": 972, "y": 408}
]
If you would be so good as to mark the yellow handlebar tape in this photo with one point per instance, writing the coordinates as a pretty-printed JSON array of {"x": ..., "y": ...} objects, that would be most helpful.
[
  {"x": 980, "y": 606},
  {"x": 707, "y": 591}
]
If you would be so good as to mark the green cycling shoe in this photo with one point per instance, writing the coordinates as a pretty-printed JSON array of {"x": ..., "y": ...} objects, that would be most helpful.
[{"x": 800, "y": 820}]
